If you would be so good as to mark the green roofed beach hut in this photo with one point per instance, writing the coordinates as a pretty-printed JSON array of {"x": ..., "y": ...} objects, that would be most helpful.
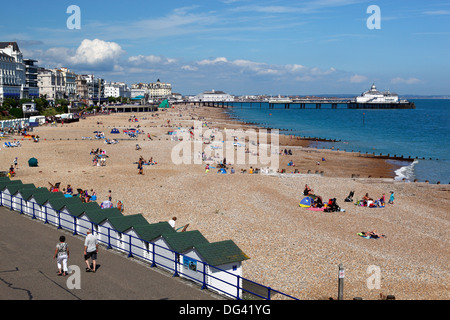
[
  {"x": 116, "y": 226},
  {"x": 168, "y": 245},
  {"x": 13, "y": 192},
  {"x": 143, "y": 234},
  {"x": 79, "y": 212},
  {"x": 224, "y": 261},
  {"x": 5, "y": 199}
]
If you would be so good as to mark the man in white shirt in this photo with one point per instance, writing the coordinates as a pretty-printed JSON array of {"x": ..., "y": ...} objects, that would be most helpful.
[
  {"x": 90, "y": 251},
  {"x": 172, "y": 222}
]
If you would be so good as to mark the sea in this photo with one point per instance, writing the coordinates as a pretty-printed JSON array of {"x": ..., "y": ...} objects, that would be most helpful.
[{"x": 422, "y": 134}]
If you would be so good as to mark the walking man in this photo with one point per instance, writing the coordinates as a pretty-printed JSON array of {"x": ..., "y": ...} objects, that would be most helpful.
[{"x": 90, "y": 251}]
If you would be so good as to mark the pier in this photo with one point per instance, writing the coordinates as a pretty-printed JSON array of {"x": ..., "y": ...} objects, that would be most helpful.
[{"x": 304, "y": 104}]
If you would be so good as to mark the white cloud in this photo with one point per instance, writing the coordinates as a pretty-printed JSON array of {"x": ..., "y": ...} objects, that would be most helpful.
[
  {"x": 96, "y": 52},
  {"x": 189, "y": 68},
  {"x": 150, "y": 59},
  {"x": 405, "y": 81},
  {"x": 437, "y": 12},
  {"x": 357, "y": 78},
  {"x": 212, "y": 62}
]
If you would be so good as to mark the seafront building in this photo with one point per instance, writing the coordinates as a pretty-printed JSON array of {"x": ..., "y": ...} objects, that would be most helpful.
[
  {"x": 31, "y": 75},
  {"x": 375, "y": 96},
  {"x": 154, "y": 91},
  {"x": 213, "y": 96},
  {"x": 51, "y": 84},
  {"x": 117, "y": 90},
  {"x": 13, "y": 82}
]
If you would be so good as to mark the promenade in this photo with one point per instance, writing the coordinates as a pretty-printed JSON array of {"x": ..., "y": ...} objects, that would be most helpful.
[{"x": 29, "y": 272}]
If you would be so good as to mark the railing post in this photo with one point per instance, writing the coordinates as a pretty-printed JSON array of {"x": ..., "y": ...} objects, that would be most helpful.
[
  {"x": 176, "y": 264},
  {"x": 130, "y": 254},
  {"x": 74, "y": 226},
  {"x": 204, "y": 276},
  {"x": 34, "y": 214},
  {"x": 238, "y": 287},
  {"x": 58, "y": 213},
  {"x": 109, "y": 239},
  {"x": 45, "y": 213},
  {"x": 341, "y": 282},
  {"x": 153, "y": 256}
]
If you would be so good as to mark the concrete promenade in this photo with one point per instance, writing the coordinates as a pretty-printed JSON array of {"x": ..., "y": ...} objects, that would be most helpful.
[{"x": 29, "y": 272}]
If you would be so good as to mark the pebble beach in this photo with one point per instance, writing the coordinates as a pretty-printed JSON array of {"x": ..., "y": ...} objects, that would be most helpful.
[{"x": 291, "y": 249}]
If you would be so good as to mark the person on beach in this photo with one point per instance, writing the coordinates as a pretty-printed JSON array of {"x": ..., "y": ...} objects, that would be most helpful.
[
  {"x": 308, "y": 191},
  {"x": 90, "y": 251},
  {"x": 172, "y": 222},
  {"x": 373, "y": 234},
  {"x": 120, "y": 206},
  {"x": 62, "y": 256},
  {"x": 140, "y": 166},
  {"x": 15, "y": 163},
  {"x": 366, "y": 197},
  {"x": 11, "y": 172},
  {"x": 391, "y": 198}
]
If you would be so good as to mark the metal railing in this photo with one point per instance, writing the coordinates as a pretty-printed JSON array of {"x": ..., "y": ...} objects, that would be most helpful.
[{"x": 207, "y": 276}]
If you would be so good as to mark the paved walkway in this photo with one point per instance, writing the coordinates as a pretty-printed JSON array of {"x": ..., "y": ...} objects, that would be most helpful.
[{"x": 28, "y": 270}]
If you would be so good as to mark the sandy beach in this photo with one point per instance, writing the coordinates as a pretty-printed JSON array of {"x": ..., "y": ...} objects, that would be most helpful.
[{"x": 291, "y": 249}]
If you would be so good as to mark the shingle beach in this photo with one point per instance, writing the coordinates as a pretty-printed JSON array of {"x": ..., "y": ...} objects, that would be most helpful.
[{"x": 291, "y": 249}]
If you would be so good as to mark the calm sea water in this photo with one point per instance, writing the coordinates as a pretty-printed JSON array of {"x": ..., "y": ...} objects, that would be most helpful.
[{"x": 423, "y": 132}]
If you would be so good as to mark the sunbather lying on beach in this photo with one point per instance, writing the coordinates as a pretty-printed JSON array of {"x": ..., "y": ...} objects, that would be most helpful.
[{"x": 373, "y": 234}]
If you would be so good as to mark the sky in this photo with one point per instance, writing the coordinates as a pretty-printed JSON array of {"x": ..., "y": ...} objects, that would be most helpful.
[{"x": 242, "y": 47}]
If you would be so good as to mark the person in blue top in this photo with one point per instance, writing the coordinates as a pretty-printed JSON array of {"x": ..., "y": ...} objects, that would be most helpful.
[{"x": 391, "y": 198}]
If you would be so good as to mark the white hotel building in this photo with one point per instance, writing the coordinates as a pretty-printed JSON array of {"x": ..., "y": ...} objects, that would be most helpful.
[
  {"x": 12, "y": 72},
  {"x": 116, "y": 90}
]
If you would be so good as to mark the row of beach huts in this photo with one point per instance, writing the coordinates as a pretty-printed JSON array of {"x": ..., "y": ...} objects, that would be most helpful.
[{"x": 216, "y": 266}]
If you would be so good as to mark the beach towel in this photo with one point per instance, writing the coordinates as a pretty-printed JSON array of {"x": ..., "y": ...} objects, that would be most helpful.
[{"x": 315, "y": 209}]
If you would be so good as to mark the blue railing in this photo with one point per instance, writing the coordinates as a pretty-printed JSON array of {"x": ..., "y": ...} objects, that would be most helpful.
[{"x": 207, "y": 276}]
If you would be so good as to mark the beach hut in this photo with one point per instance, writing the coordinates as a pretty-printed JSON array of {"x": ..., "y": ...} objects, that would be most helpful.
[
  {"x": 43, "y": 210},
  {"x": 64, "y": 218},
  {"x": 306, "y": 202},
  {"x": 13, "y": 192},
  {"x": 30, "y": 207},
  {"x": 5, "y": 199},
  {"x": 143, "y": 235},
  {"x": 79, "y": 213},
  {"x": 220, "y": 261},
  {"x": 114, "y": 227},
  {"x": 169, "y": 245},
  {"x": 93, "y": 218}
]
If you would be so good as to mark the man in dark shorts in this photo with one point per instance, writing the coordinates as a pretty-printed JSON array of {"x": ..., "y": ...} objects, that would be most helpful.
[{"x": 90, "y": 251}]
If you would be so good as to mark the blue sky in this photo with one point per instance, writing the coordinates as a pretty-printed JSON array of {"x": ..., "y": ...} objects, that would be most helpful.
[{"x": 243, "y": 46}]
